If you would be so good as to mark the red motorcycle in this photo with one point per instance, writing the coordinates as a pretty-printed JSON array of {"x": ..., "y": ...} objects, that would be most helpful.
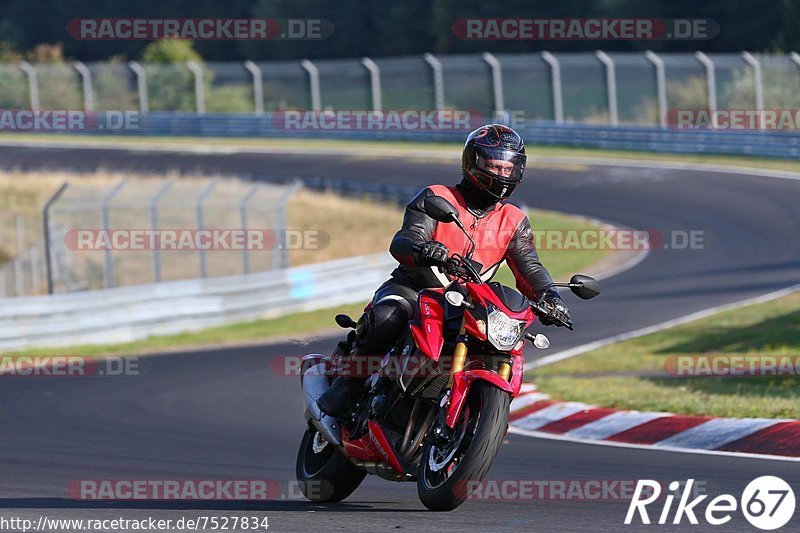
[{"x": 436, "y": 409}]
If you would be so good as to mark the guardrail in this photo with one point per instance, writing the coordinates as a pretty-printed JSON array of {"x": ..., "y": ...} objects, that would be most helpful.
[
  {"x": 130, "y": 313},
  {"x": 763, "y": 143}
]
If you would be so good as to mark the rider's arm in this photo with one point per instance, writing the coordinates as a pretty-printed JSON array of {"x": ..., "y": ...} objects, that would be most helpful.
[
  {"x": 531, "y": 276},
  {"x": 417, "y": 228}
]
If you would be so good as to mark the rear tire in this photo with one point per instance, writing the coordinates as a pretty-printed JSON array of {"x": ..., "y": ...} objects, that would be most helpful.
[
  {"x": 324, "y": 473},
  {"x": 446, "y": 476}
]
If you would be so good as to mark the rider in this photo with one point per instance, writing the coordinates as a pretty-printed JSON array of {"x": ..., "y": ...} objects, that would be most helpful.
[{"x": 492, "y": 165}]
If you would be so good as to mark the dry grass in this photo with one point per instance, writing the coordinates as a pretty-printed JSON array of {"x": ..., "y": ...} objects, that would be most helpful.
[
  {"x": 347, "y": 226},
  {"x": 332, "y": 218}
]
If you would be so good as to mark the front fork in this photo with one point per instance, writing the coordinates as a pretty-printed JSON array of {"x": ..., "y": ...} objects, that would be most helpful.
[
  {"x": 442, "y": 431},
  {"x": 460, "y": 356}
]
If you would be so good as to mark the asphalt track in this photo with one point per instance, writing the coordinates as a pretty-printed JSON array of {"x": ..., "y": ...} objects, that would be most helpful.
[{"x": 226, "y": 414}]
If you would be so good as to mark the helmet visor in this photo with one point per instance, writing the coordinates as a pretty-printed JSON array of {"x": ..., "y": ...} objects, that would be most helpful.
[{"x": 502, "y": 165}]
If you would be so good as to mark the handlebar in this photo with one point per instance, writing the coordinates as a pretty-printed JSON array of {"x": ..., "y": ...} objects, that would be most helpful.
[
  {"x": 458, "y": 266},
  {"x": 542, "y": 311}
]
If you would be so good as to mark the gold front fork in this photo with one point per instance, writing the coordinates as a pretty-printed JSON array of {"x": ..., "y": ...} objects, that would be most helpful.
[
  {"x": 460, "y": 356},
  {"x": 460, "y": 353},
  {"x": 504, "y": 370}
]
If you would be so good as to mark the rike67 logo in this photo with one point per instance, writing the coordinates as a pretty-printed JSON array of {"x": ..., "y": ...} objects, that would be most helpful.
[{"x": 767, "y": 503}]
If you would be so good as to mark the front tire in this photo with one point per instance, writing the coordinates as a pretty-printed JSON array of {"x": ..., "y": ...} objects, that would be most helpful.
[
  {"x": 446, "y": 475},
  {"x": 324, "y": 473}
]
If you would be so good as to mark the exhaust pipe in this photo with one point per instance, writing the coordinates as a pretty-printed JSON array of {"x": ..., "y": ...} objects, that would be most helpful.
[
  {"x": 382, "y": 470},
  {"x": 315, "y": 382}
]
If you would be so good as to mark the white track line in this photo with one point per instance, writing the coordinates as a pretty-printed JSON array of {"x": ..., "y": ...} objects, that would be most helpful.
[{"x": 577, "y": 350}]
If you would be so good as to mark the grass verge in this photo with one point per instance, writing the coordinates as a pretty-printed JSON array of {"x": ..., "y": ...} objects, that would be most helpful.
[
  {"x": 767, "y": 329},
  {"x": 560, "y": 263}
]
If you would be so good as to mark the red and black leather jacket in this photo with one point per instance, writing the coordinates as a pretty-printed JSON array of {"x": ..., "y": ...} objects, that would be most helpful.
[{"x": 501, "y": 232}]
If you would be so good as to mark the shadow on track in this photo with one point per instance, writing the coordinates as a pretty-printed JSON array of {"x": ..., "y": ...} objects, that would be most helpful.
[{"x": 197, "y": 505}]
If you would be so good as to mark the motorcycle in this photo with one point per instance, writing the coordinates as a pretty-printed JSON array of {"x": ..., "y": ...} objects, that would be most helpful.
[{"x": 436, "y": 410}]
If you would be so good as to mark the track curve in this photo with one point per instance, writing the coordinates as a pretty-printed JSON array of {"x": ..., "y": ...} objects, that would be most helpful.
[{"x": 225, "y": 414}]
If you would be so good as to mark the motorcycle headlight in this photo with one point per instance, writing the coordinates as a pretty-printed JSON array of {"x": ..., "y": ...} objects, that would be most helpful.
[{"x": 503, "y": 331}]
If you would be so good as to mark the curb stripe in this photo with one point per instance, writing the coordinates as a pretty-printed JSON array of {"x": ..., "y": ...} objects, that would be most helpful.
[
  {"x": 658, "y": 429},
  {"x": 525, "y": 411},
  {"x": 577, "y": 420},
  {"x": 552, "y": 413},
  {"x": 782, "y": 438},
  {"x": 527, "y": 399},
  {"x": 717, "y": 432},
  {"x": 533, "y": 413},
  {"x": 613, "y": 424}
]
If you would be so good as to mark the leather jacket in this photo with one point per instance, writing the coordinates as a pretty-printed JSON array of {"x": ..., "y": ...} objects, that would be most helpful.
[{"x": 501, "y": 231}]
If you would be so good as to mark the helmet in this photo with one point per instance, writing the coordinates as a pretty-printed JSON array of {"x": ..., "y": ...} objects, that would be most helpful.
[{"x": 494, "y": 160}]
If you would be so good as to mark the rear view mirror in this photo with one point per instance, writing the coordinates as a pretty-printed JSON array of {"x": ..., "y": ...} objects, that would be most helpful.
[
  {"x": 440, "y": 209},
  {"x": 584, "y": 287}
]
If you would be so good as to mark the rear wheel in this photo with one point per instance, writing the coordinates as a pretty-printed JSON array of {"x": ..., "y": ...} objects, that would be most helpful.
[
  {"x": 448, "y": 474},
  {"x": 323, "y": 472}
]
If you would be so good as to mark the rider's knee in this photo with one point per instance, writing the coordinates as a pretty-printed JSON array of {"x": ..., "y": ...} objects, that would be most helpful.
[{"x": 381, "y": 324}]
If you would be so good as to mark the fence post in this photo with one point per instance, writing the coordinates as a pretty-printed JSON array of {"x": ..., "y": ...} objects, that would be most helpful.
[
  {"x": 46, "y": 224},
  {"x": 438, "y": 80},
  {"x": 759, "y": 89},
  {"x": 141, "y": 86},
  {"x": 258, "y": 87},
  {"x": 86, "y": 82},
  {"x": 201, "y": 223},
  {"x": 555, "y": 75},
  {"x": 199, "y": 90},
  {"x": 711, "y": 82},
  {"x": 661, "y": 86},
  {"x": 243, "y": 218},
  {"x": 497, "y": 82},
  {"x": 18, "y": 275},
  {"x": 33, "y": 83},
  {"x": 108, "y": 267},
  {"x": 374, "y": 83},
  {"x": 281, "y": 259},
  {"x": 154, "y": 226},
  {"x": 36, "y": 274},
  {"x": 313, "y": 80},
  {"x": 611, "y": 86}
]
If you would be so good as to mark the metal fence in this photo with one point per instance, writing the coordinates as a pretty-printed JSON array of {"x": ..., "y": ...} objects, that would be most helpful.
[
  {"x": 68, "y": 248},
  {"x": 124, "y": 314},
  {"x": 605, "y": 88}
]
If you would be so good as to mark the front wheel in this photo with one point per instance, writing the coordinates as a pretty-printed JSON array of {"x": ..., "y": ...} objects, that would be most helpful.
[
  {"x": 324, "y": 473},
  {"x": 447, "y": 474}
]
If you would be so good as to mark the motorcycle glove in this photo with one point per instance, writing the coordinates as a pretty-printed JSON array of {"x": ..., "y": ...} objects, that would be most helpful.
[
  {"x": 433, "y": 253},
  {"x": 557, "y": 309}
]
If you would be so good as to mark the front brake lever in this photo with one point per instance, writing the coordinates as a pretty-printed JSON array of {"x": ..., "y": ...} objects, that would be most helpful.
[{"x": 540, "y": 311}]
